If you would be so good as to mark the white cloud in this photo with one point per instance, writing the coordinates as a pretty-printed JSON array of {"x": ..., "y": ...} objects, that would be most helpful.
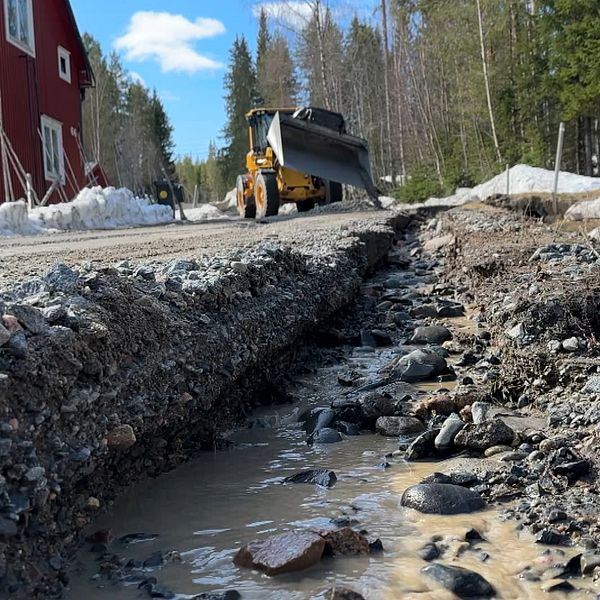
[
  {"x": 169, "y": 40},
  {"x": 294, "y": 14}
]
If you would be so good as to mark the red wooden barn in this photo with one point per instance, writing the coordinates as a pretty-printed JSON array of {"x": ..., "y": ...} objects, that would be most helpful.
[{"x": 44, "y": 72}]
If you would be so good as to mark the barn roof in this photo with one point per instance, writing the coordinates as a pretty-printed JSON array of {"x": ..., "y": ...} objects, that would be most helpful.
[{"x": 86, "y": 59}]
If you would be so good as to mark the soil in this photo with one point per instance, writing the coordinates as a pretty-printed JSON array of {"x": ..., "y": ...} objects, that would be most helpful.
[{"x": 525, "y": 352}]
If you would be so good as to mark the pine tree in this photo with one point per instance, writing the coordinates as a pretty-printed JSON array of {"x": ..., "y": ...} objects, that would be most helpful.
[
  {"x": 573, "y": 33},
  {"x": 161, "y": 131},
  {"x": 240, "y": 83},
  {"x": 214, "y": 173},
  {"x": 262, "y": 54}
]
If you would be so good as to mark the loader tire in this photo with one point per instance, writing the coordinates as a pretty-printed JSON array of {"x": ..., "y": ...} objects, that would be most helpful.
[
  {"x": 246, "y": 206},
  {"x": 266, "y": 194},
  {"x": 335, "y": 192},
  {"x": 305, "y": 205}
]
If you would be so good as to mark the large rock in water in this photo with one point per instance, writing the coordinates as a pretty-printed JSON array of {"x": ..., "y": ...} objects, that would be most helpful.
[
  {"x": 322, "y": 477},
  {"x": 461, "y": 582},
  {"x": 485, "y": 435},
  {"x": 423, "y": 446},
  {"x": 441, "y": 499},
  {"x": 375, "y": 405},
  {"x": 445, "y": 438},
  {"x": 326, "y": 436},
  {"x": 397, "y": 426},
  {"x": 432, "y": 334},
  {"x": 282, "y": 553},
  {"x": 319, "y": 418},
  {"x": 420, "y": 365}
]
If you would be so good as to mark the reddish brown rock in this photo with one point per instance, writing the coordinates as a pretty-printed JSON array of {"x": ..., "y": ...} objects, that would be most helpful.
[
  {"x": 282, "y": 553},
  {"x": 345, "y": 541},
  {"x": 442, "y": 405}
]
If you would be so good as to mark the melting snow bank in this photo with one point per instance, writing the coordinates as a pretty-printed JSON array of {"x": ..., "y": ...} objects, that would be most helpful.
[
  {"x": 586, "y": 209},
  {"x": 205, "y": 212},
  {"x": 98, "y": 208},
  {"x": 14, "y": 220},
  {"x": 523, "y": 179},
  {"x": 94, "y": 208}
]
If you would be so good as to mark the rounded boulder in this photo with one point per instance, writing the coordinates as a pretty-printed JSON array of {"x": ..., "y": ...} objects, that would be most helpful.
[{"x": 441, "y": 499}]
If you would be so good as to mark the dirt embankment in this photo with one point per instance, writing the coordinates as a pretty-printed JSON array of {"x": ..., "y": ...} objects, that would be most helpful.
[
  {"x": 537, "y": 288},
  {"x": 115, "y": 373}
]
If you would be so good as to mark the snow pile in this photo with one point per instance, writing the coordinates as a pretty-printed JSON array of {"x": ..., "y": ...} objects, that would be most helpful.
[
  {"x": 289, "y": 208},
  {"x": 387, "y": 202},
  {"x": 98, "y": 208},
  {"x": 581, "y": 211},
  {"x": 204, "y": 212},
  {"x": 14, "y": 220},
  {"x": 229, "y": 204},
  {"x": 523, "y": 179}
]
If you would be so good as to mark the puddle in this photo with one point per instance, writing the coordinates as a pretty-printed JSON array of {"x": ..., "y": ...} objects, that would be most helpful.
[{"x": 207, "y": 509}]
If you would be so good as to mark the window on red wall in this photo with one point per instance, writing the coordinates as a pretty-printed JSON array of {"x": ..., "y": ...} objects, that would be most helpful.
[
  {"x": 54, "y": 160},
  {"x": 18, "y": 15},
  {"x": 64, "y": 64}
]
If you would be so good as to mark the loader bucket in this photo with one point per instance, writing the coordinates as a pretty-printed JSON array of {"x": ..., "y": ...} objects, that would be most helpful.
[{"x": 321, "y": 152}]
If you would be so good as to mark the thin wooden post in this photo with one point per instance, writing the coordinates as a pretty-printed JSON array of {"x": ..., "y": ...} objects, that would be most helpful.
[
  {"x": 557, "y": 164},
  {"x": 3, "y": 159},
  {"x": 29, "y": 191}
]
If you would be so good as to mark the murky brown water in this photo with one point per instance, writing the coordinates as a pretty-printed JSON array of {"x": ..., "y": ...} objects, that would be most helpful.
[{"x": 207, "y": 509}]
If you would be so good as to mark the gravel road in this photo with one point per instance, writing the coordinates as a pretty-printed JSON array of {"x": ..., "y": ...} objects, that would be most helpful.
[{"x": 24, "y": 257}]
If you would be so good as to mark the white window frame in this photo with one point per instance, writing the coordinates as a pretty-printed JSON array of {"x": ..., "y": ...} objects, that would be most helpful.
[
  {"x": 49, "y": 126},
  {"x": 63, "y": 53},
  {"x": 29, "y": 48}
]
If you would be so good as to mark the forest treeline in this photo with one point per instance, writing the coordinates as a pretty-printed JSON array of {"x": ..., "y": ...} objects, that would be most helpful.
[
  {"x": 125, "y": 126},
  {"x": 447, "y": 92}
]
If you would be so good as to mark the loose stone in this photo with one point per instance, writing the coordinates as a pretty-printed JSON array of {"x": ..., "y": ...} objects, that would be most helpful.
[
  {"x": 282, "y": 553},
  {"x": 121, "y": 437},
  {"x": 322, "y": 477},
  {"x": 441, "y": 499},
  {"x": 462, "y": 582}
]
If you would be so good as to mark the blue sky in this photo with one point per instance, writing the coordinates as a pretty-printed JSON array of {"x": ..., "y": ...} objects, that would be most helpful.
[{"x": 180, "y": 48}]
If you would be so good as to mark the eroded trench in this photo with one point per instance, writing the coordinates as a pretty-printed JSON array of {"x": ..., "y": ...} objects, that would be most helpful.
[{"x": 175, "y": 536}]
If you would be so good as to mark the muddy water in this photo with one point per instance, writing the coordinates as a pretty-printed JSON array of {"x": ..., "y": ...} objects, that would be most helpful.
[{"x": 206, "y": 510}]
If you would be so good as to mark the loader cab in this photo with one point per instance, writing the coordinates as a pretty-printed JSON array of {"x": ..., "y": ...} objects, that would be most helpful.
[{"x": 259, "y": 121}]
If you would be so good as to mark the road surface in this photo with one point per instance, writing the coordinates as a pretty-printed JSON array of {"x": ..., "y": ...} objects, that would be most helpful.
[{"x": 26, "y": 257}]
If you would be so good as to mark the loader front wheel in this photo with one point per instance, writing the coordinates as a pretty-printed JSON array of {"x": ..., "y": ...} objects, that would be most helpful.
[
  {"x": 266, "y": 194},
  {"x": 246, "y": 206}
]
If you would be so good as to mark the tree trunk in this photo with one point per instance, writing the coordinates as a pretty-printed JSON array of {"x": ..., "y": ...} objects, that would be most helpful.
[
  {"x": 386, "y": 78},
  {"x": 487, "y": 82},
  {"x": 322, "y": 63},
  {"x": 588, "y": 146}
]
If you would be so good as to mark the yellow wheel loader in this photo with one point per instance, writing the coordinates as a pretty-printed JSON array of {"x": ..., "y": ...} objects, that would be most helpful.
[{"x": 300, "y": 155}]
